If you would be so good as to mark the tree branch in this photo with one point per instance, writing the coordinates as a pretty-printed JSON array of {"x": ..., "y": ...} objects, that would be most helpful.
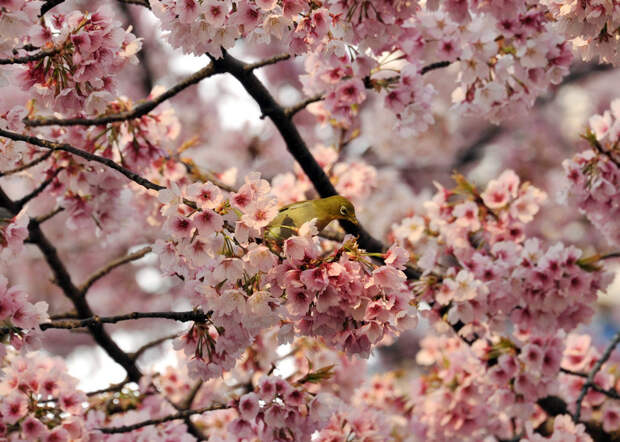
[
  {"x": 611, "y": 255},
  {"x": 433, "y": 66},
  {"x": 140, "y": 351},
  {"x": 137, "y": 112},
  {"x": 474, "y": 150},
  {"x": 368, "y": 82},
  {"x": 47, "y": 144},
  {"x": 111, "y": 266},
  {"x": 28, "y": 58},
  {"x": 295, "y": 144},
  {"x": 63, "y": 280},
  {"x": 69, "y": 324},
  {"x": 144, "y": 3},
  {"x": 143, "y": 54},
  {"x": 292, "y": 110},
  {"x": 33, "y": 163},
  {"x": 590, "y": 380},
  {"x": 110, "y": 389},
  {"x": 49, "y": 4},
  {"x": 268, "y": 61},
  {"x": 180, "y": 415},
  {"x": 19, "y": 204},
  {"x": 41, "y": 219}
]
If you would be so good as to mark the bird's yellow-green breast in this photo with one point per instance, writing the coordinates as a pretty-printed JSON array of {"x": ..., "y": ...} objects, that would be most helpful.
[{"x": 290, "y": 218}]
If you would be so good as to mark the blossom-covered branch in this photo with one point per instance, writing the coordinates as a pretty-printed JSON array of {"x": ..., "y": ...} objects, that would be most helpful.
[
  {"x": 294, "y": 143},
  {"x": 590, "y": 380},
  {"x": 180, "y": 415},
  {"x": 138, "y": 111},
  {"x": 81, "y": 153}
]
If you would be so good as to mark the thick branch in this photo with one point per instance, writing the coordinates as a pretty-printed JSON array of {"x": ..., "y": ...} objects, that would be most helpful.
[
  {"x": 82, "y": 308},
  {"x": 294, "y": 143},
  {"x": 137, "y": 112},
  {"x": 49, "y": 4},
  {"x": 69, "y": 324},
  {"x": 181, "y": 415},
  {"x": 81, "y": 153},
  {"x": 111, "y": 266},
  {"x": 590, "y": 381},
  {"x": 63, "y": 280}
]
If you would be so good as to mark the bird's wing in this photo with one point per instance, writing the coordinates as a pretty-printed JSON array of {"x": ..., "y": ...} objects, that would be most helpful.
[{"x": 292, "y": 206}]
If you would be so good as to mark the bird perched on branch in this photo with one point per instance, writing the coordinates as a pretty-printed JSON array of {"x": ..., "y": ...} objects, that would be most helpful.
[{"x": 291, "y": 217}]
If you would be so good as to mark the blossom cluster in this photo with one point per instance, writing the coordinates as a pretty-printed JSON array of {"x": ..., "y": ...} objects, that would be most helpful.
[
  {"x": 19, "y": 20},
  {"x": 245, "y": 287},
  {"x": 354, "y": 180},
  {"x": 19, "y": 318},
  {"x": 491, "y": 272},
  {"x": 279, "y": 410},
  {"x": 40, "y": 401},
  {"x": 488, "y": 389},
  {"x": 87, "y": 51},
  {"x": 593, "y": 175},
  {"x": 580, "y": 355},
  {"x": 338, "y": 298},
  {"x": 593, "y": 26},
  {"x": 506, "y": 57}
]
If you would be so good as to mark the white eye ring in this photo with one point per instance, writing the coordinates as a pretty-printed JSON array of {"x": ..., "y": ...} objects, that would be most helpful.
[{"x": 343, "y": 211}]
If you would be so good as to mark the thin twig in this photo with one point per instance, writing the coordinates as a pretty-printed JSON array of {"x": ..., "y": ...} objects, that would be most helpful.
[
  {"x": 273, "y": 60},
  {"x": 139, "y": 352},
  {"x": 137, "y": 112},
  {"x": 41, "y": 219},
  {"x": 180, "y": 415},
  {"x": 292, "y": 110},
  {"x": 573, "y": 373},
  {"x": 144, "y": 59},
  {"x": 473, "y": 152},
  {"x": 111, "y": 266},
  {"x": 590, "y": 381},
  {"x": 69, "y": 324},
  {"x": 36, "y": 192},
  {"x": 611, "y": 255},
  {"x": 187, "y": 402},
  {"x": 33, "y": 163},
  {"x": 110, "y": 389},
  {"x": 433, "y": 66},
  {"x": 28, "y": 58},
  {"x": 81, "y": 153}
]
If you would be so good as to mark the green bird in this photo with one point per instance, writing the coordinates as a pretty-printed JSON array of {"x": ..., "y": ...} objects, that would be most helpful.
[{"x": 291, "y": 217}]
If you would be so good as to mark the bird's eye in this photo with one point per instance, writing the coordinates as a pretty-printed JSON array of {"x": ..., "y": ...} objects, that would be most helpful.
[{"x": 343, "y": 210}]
